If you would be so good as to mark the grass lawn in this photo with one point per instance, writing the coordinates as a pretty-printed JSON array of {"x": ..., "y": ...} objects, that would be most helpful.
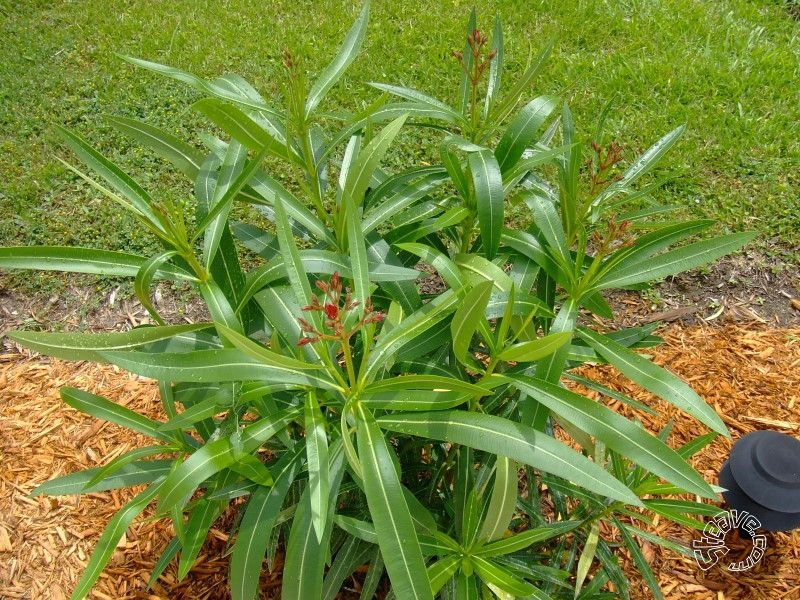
[{"x": 728, "y": 69}]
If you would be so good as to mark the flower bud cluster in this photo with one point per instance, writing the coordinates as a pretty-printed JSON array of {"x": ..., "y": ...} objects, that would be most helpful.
[
  {"x": 336, "y": 307},
  {"x": 476, "y": 41}
]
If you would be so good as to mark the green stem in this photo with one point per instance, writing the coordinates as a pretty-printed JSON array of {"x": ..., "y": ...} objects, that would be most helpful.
[
  {"x": 466, "y": 235},
  {"x": 348, "y": 361}
]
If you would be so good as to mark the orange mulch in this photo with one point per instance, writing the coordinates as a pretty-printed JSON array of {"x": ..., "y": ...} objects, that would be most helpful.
[{"x": 750, "y": 374}]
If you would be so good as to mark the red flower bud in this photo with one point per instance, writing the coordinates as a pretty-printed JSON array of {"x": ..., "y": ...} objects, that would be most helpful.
[
  {"x": 331, "y": 310},
  {"x": 304, "y": 340},
  {"x": 335, "y": 283}
]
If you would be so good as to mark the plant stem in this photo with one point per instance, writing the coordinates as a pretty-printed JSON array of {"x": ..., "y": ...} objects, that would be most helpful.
[{"x": 348, "y": 361}]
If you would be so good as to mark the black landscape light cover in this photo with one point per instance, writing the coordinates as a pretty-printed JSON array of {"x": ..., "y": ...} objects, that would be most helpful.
[{"x": 762, "y": 477}]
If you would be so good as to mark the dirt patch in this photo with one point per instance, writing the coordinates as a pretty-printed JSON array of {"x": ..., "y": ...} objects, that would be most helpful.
[{"x": 751, "y": 286}]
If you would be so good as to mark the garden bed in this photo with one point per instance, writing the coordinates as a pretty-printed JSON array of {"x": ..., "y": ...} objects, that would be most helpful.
[{"x": 749, "y": 373}]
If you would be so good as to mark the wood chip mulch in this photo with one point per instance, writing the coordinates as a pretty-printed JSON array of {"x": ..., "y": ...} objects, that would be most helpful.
[{"x": 750, "y": 374}]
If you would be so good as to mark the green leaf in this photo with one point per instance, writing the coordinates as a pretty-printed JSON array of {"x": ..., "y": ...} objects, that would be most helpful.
[
  {"x": 487, "y": 182},
  {"x": 201, "y": 517},
  {"x": 127, "y": 458},
  {"x": 617, "y": 432},
  {"x": 513, "y": 440},
  {"x": 654, "y": 379},
  {"x": 465, "y": 85},
  {"x": 549, "y": 223},
  {"x": 139, "y": 472},
  {"x": 424, "y": 382},
  {"x": 250, "y": 467},
  {"x": 436, "y": 107},
  {"x": 467, "y": 318},
  {"x": 262, "y": 354},
  {"x": 503, "y": 501},
  {"x": 452, "y": 163},
  {"x": 520, "y": 541},
  {"x": 215, "y": 209},
  {"x": 170, "y": 551},
  {"x": 390, "y": 513},
  {"x": 268, "y": 189},
  {"x": 343, "y": 59},
  {"x": 694, "y": 446},
  {"x": 440, "y": 572},
  {"x": 536, "y": 349},
  {"x": 305, "y": 556},
  {"x": 211, "y": 366},
  {"x": 413, "y": 400},
  {"x": 83, "y": 260},
  {"x": 85, "y": 346},
  {"x": 183, "y": 157},
  {"x": 476, "y": 268},
  {"x": 197, "y": 412},
  {"x": 291, "y": 257},
  {"x": 643, "y": 164},
  {"x": 106, "y": 410},
  {"x": 185, "y": 479},
  {"x": 218, "y": 305},
  {"x": 357, "y": 528},
  {"x": 233, "y": 178},
  {"x": 362, "y": 169},
  {"x": 675, "y": 261},
  {"x": 503, "y": 578},
  {"x": 243, "y": 129},
  {"x": 639, "y": 560},
  {"x": 495, "y": 68},
  {"x": 317, "y": 458},
  {"x": 138, "y": 200},
  {"x": 373, "y": 578},
  {"x": 110, "y": 538},
  {"x": 144, "y": 278},
  {"x": 522, "y": 86},
  {"x": 679, "y": 511},
  {"x": 220, "y": 88},
  {"x": 650, "y": 243},
  {"x": 587, "y": 557},
  {"x": 414, "y": 325},
  {"x": 259, "y": 516},
  {"x": 358, "y": 256},
  {"x": 351, "y": 555},
  {"x": 522, "y": 131}
]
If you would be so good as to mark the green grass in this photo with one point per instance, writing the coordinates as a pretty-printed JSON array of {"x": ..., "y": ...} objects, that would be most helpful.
[{"x": 729, "y": 70}]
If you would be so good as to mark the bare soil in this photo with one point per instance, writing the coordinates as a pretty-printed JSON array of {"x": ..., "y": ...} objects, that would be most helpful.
[{"x": 751, "y": 286}]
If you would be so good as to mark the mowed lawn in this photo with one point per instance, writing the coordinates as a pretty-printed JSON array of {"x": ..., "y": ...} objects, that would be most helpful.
[{"x": 730, "y": 70}]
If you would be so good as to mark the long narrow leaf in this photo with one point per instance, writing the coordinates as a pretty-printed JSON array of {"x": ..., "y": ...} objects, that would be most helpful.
[
  {"x": 654, "y": 379},
  {"x": 211, "y": 366},
  {"x": 675, "y": 261},
  {"x": 617, "y": 432},
  {"x": 83, "y": 260},
  {"x": 337, "y": 67},
  {"x": 467, "y": 318},
  {"x": 184, "y": 157},
  {"x": 102, "y": 408},
  {"x": 514, "y": 440},
  {"x": 522, "y": 131},
  {"x": 258, "y": 517},
  {"x": 85, "y": 346},
  {"x": 396, "y": 534},
  {"x": 110, "y": 538},
  {"x": 487, "y": 181}
]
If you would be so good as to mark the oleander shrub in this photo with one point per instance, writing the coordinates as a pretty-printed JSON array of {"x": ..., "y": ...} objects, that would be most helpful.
[{"x": 353, "y": 418}]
